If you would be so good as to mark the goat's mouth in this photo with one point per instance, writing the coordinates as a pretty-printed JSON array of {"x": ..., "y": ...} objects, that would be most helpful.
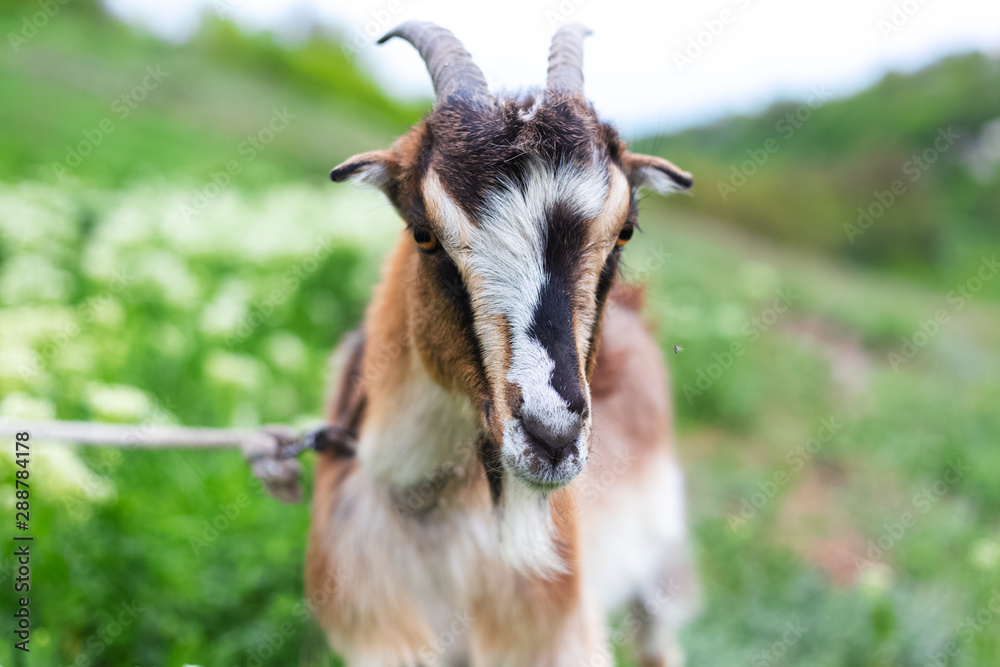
[{"x": 543, "y": 465}]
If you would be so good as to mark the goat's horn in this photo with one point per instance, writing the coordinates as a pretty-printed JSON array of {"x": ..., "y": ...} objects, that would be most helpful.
[
  {"x": 566, "y": 59},
  {"x": 450, "y": 65}
]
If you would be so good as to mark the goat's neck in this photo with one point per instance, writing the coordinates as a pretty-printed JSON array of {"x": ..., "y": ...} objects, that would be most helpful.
[{"x": 414, "y": 431}]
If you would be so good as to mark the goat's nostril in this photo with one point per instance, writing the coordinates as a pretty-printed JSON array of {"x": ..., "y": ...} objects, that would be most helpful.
[{"x": 553, "y": 443}]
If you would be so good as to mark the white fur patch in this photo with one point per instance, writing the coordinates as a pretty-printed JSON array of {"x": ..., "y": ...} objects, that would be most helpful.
[
  {"x": 648, "y": 525},
  {"x": 374, "y": 174},
  {"x": 425, "y": 429},
  {"x": 529, "y": 114},
  {"x": 654, "y": 179},
  {"x": 527, "y": 531},
  {"x": 531, "y": 368},
  {"x": 501, "y": 259}
]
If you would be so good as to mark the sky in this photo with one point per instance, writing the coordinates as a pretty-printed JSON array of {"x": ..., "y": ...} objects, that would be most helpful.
[{"x": 649, "y": 66}]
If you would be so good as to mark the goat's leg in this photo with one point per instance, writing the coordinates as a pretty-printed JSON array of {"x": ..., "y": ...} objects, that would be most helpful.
[{"x": 664, "y": 609}]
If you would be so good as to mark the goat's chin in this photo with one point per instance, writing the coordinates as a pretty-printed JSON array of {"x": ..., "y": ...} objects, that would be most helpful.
[
  {"x": 540, "y": 475},
  {"x": 544, "y": 487}
]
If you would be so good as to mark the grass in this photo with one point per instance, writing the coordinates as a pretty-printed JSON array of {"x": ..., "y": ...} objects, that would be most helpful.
[
  {"x": 173, "y": 341},
  {"x": 822, "y": 489}
]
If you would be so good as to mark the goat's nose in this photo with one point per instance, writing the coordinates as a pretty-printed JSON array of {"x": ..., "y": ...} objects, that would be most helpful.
[{"x": 553, "y": 442}]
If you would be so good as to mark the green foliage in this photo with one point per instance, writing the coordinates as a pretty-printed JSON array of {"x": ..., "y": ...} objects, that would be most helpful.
[
  {"x": 797, "y": 525},
  {"x": 141, "y": 290}
]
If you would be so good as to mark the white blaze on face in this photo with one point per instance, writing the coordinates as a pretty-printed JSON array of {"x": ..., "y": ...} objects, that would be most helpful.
[{"x": 501, "y": 257}]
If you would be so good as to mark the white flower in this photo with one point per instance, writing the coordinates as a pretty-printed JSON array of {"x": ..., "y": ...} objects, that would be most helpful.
[
  {"x": 37, "y": 217},
  {"x": 65, "y": 475},
  {"x": 758, "y": 280},
  {"x": 986, "y": 554},
  {"x": 170, "y": 275},
  {"x": 30, "y": 278},
  {"x": 286, "y": 350},
  {"x": 116, "y": 402},
  {"x": 18, "y": 405},
  {"x": 19, "y": 362},
  {"x": 226, "y": 310},
  {"x": 237, "y": 370},
  {"x": 875, "y": 578}
]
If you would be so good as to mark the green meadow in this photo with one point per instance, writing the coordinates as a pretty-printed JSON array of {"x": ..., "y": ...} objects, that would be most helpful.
[{"x": 171, "y": 252}]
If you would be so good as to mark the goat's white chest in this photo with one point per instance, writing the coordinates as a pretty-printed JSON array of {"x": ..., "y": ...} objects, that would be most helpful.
[{"x": 419, "y": 431}]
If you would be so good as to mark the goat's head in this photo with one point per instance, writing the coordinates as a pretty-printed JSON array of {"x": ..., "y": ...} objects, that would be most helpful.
[{"x": 518, "y": 210}]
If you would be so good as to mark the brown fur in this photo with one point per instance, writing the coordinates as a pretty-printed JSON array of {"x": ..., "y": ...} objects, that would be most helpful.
[
  {"x": 531, "y": 608},
  {"x": 386, "y": 559},
  {"x": 507, "y": 608},
  {"x": 630, "y": 385}
]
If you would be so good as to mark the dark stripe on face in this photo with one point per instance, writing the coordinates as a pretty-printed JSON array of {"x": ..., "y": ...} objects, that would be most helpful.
[
  {"x": 445, "y": 270},
  {"x": 552, "y": 327},
  {"x": 604, "y": 283},
  {"x": 489, "y": 454},
  {"x": 439, "y": 272},
  {"x": 565, "y": 237},
  {"x": 450, "y": 281},
  {"x": 552, "y": 321}
]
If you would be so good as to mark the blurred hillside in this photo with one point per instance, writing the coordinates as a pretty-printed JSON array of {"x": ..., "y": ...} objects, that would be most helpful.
[
  {"x": 800, "y": 171},
  {"x": 83, "y": 73}
]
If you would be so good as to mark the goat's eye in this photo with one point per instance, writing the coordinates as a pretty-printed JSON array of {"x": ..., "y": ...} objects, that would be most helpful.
[
  {"x": 425, "y": 240},
  {"x": 624, "y": 236}
]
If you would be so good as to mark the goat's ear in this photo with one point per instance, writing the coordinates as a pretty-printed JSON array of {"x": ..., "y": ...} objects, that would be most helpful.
[
  {"x": 655, "y": 173},
  {"x": 378, "y": 168}
]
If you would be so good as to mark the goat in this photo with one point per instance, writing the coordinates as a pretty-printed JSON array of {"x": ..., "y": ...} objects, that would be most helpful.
[{"x": 498, "y": 357}]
